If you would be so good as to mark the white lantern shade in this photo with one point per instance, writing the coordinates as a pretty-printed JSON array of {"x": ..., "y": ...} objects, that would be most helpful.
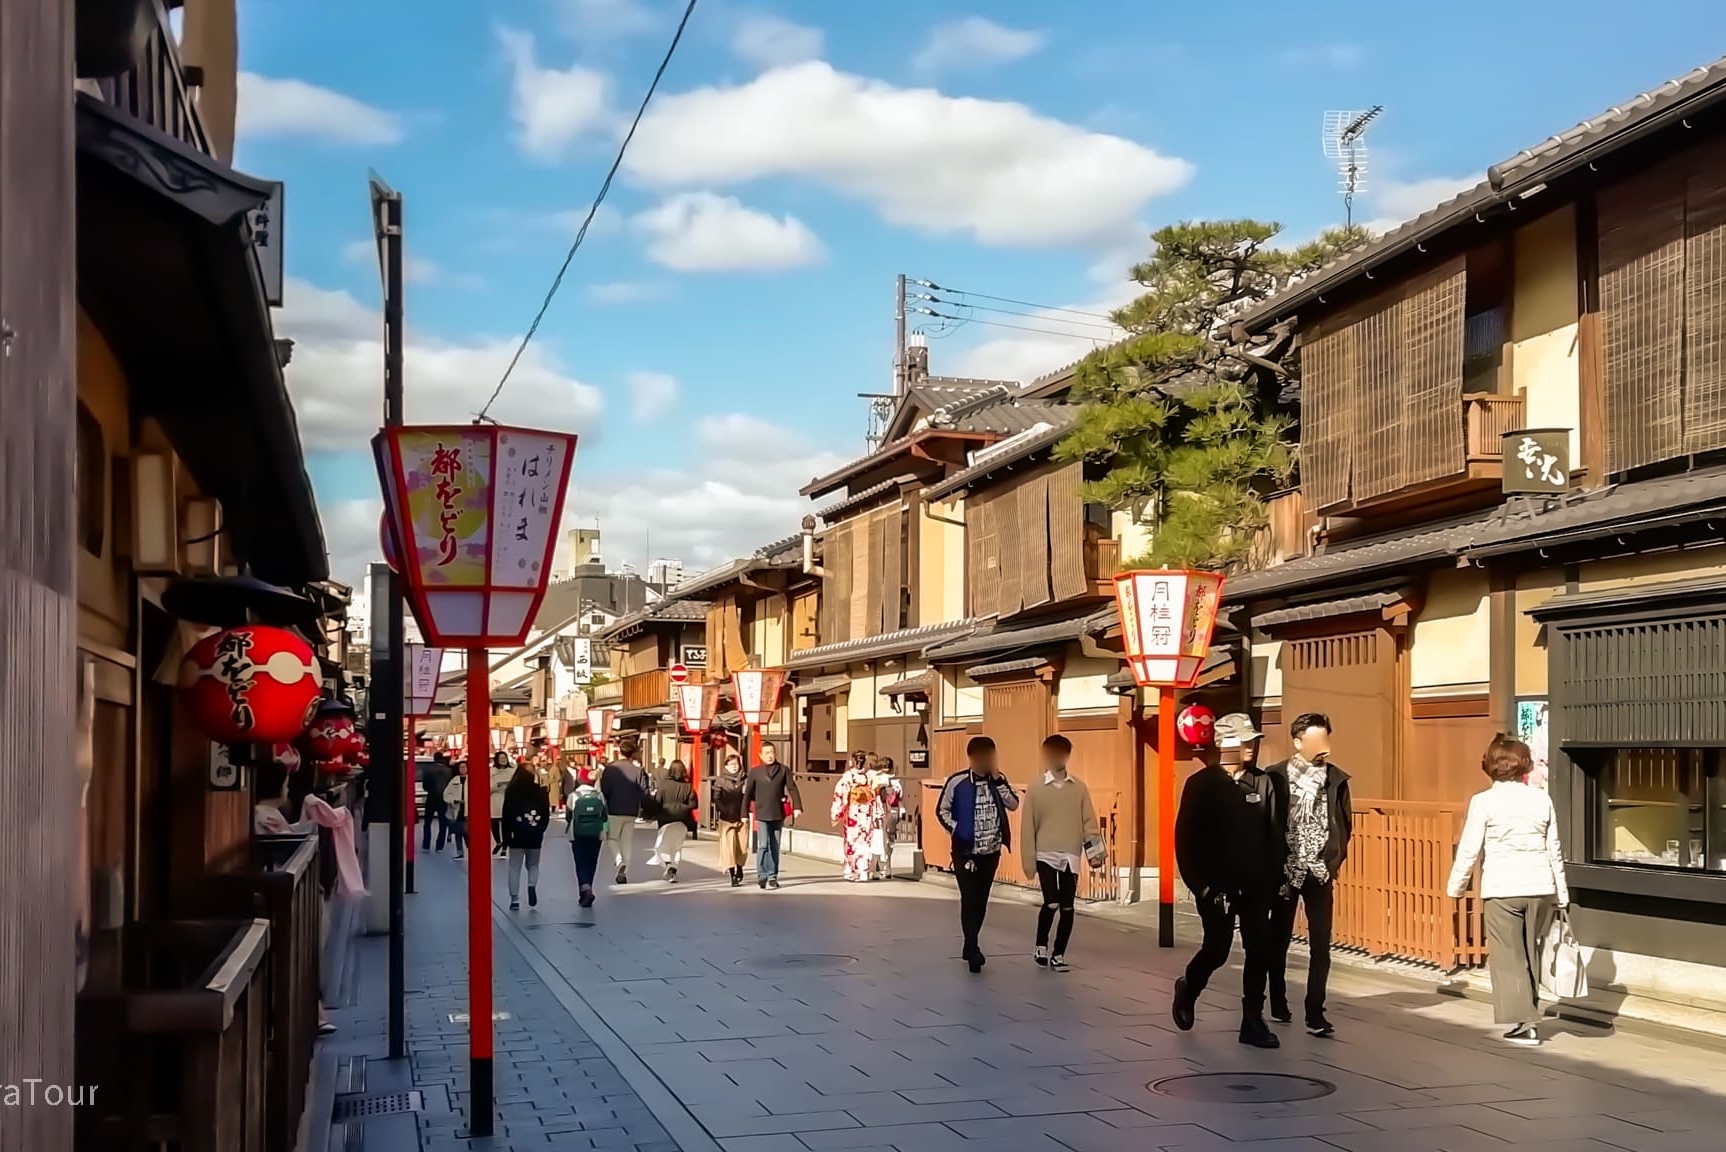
[
  {"x": 420, "y": 670},
  {"x": 757, "y": 691},
  {"x": 1167, "y": 617},
  {"x": 697, "y": 704}
]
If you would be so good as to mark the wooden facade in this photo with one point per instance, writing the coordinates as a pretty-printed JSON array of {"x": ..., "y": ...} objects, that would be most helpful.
[{"x": 865, "y": 592}]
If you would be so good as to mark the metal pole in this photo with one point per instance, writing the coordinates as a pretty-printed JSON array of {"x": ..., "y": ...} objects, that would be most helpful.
[
  {"x": 1166, "y": 817},
  {"x": 899, "y": 373},
  {"x": 479, "y": 891},
  {"x": 410, "y": 769}
]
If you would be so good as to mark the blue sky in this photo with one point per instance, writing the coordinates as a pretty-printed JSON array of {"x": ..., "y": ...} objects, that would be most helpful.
[{"x": 718, "y": 323}]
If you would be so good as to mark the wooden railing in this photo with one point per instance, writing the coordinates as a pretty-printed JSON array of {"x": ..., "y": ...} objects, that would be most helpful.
[
  {"x": 1094, "y": 883},
  {"x": 649, "y": 689},
  {"x": 180, "y": 1062},
  {"x": 155, "y": 90},
  {"x": 282, "y": 887},
  {"x": 1102, "y": 561},
  {"x": 1391, "y": 902},
  {"x": 1488, "y": 417}
]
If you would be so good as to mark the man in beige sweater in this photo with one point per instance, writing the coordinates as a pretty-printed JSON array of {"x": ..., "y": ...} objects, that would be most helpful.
[{"x": 1058, "y": 827}]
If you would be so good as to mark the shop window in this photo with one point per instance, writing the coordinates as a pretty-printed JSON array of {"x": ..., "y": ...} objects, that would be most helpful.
[
  {"x": 1662, "y": 808},
  {"x": 92, "y": 483}
]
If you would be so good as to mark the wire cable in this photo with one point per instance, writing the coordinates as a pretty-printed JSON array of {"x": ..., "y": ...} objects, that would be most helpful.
[
  {"x": 1009, "y": 300},
  {"x": 1095, "y": 339},
  {"x": 1110, "y": 325},
  {"x": 605, "y": 187}
]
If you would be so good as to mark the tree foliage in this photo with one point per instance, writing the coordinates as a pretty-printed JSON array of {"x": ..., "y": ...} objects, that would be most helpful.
[{"x": 1187, "y": 416}]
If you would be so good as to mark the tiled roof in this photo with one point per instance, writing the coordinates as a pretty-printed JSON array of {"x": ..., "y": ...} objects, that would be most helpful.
[
  {"x": 866, "y": 495},
  {"x": 1006, "y": 667},
  {"x": 920, "y": 683},
  {"x": 1359, "y": 558},
  {"x": 664, "y": 612},
  {"x": 1509, "y": 181},
  {"x": 1329, "y": 609},
  {"x": 905, "y": 640},
  {"x": 1039, "y": 438},
  {"x": 1678, "y": 498},
  {"x": 1012, "y": 639}
]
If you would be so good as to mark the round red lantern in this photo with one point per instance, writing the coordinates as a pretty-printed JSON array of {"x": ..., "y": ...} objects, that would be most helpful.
[
  {"x": 251, "y": 685},
  {"x": 718, "y": 740},
  {"x": 331, "y": 735},
  {"x": 1197, "y": 726}
]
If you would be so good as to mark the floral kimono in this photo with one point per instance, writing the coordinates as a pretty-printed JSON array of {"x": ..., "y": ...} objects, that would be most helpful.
[
  {"x": 890, "y": 794},
  {"x": 859, "y": 814}
]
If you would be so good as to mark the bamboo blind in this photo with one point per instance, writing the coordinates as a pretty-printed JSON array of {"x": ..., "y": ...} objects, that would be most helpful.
[
  {"x": 1432, "y": 339},
  {"x": 1326, "y": 427},
  {"x": 892, "y": 571},
  {"x": 857, "y": 611},
  {"x": 870, "y": 595},
  {"x": 1066, "y": 533},
  {"x": 1034, "y": 578},
  {"x": 836, "y": 585},
  {"x": 1015, "y": 550},
  {"x": 1642, "y": 305},
  {"x": 1705, "y": 311}
]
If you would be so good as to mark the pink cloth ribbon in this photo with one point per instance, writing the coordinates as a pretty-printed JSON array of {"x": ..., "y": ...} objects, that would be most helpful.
[{"x": 340, "y": 822}]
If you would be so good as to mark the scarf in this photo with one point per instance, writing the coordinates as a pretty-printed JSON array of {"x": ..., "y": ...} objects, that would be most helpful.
[{"x": 1309, "y": 822}]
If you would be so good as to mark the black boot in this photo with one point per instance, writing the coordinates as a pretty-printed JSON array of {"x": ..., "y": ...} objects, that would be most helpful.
[{"x": 1256, "y": 1032}]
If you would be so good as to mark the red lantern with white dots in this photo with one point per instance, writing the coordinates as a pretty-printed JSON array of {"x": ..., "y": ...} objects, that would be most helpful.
[
  {"x": 331, "y": 735},
  {"x": 1197, "y": 726},
  {"x": 251, "y": 685}
]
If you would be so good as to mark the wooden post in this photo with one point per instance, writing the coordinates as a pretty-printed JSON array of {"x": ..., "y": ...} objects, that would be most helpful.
[{"x": 479, "y": 893}]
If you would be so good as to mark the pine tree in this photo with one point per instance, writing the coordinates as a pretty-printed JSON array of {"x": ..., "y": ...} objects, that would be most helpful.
[{"x": 1192, "y": 422}]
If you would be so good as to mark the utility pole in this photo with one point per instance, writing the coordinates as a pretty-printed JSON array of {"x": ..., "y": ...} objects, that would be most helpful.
[
  {"x": 385, "y": 703},
  {"x": 899, "y": 337}
]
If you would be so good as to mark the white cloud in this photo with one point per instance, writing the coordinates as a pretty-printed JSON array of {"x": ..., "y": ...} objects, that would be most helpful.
[
  {"x": 994, "y": 170},
  {"x": 741, "y": 496},
  {"x": 269, "y": 106},
  {"x": 414, "y": 269},
  {"x": 1065, "y": 337},
  {"x": 773, "y": 42},
  {"x": 622, "y": 292},
  {"x": 1393, "y": 202},
  {"x": 336, "y": 376},
  {"x": 652, "y": 395},
  {"x": 552, "y": 109},
  {"x": 704, "y": 232},
  {"x": 586, "y": 20},
  {"x": 351, "y": 536},
  {"x": 973, "y": 43}
]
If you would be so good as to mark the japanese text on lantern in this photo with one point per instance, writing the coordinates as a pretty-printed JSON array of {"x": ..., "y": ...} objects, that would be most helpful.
[
  {"x": 235, "y": 667},
  {"x": 445, "y": 467},
  {"x": 1162, "y": 617},
  {"x": 528, "y": 472},
  {"x": 447, "y": 477}
]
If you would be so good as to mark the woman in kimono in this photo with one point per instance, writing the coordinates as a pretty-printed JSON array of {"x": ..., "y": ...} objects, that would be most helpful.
[
  {"x": 858, "y": 815},
  {"x": 891, "y": 796}
]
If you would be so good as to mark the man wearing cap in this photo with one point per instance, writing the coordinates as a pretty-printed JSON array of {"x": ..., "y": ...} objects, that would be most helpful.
[
  {"x": 1229, "y": 847},
  {"x": 1320, "y": 819}
]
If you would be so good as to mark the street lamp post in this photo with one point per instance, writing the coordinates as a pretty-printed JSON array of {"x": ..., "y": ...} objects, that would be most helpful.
[
  {"x": 473, "y": 510},
  {"x": 757, "y": 691},
  {"x": 697, "y": 705},
  {"x": 1167, "y": 617},
  {"x": 598, "y": 733}
]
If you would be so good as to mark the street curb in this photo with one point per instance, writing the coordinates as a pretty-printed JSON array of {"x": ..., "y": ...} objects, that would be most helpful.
[{"x": 679, "y": 1123}]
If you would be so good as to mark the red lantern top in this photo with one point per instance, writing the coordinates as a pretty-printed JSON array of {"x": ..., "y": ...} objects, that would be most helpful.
[
  {"x": 1196, "y": 726},
  {"x": 757, "y": 692},
  {"x": 1167, "y": 618},
  {"x": 251, "y": 685},
  {"x": 475, "y": 510},
  {"x": 697, "y": 704}
]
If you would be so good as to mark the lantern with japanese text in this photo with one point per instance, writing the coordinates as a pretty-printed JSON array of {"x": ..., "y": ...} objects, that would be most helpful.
[
  {"x": 599, "y": 724},
  {"x": 519, "y": 739},
  {"x": 474, "y": 509},
  {"x": 420, "y": 667},
  {"x": 332, "y": 733},
  {"x": 251, "y": 685},
  {"x": 697, "y": 705},
  {"x": 1167, "y": 617},
  {"x": 757, "y": 691},
  {"x": 1196, "y": 726}
]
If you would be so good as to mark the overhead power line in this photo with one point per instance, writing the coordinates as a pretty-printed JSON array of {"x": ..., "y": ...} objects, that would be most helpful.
[
  {"x": 1108, "y": 325},
  {"x": 1009, "y": 300},
  {"x": 1091, "y": 337},
  {"x": 605, "y": 187}
]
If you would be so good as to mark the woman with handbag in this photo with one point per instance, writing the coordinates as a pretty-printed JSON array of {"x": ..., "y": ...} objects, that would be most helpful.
[
  {"x": 1512, "y": 832},
  {"x": 731, "y": 806}
]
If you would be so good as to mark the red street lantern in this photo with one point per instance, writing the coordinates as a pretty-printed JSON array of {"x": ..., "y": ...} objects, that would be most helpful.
[
  {"x": 331, "y": 736},
  {"x": 421, "y": 666},
  {"x": 251, "y": 685},
  {"x": 1167, "y": 617},
  {"x": 697, "y": 705},
  {"x": 757, "y": 692},
  {"x": 556, "y": 727},
  {"x": 1196, "y": 726}
]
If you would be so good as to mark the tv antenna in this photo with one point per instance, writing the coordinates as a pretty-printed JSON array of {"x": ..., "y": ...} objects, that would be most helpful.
[{"x": 1345, "y": 145}]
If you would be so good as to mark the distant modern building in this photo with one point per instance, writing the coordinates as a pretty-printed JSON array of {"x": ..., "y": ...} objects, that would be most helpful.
[{"x": 665, "y": 573}]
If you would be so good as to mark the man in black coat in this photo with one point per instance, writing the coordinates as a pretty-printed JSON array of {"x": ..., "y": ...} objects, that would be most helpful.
[
  {"x": 1229, "y": 847},
  {"x": 1313, "y": 793},
  {"x": 624, "y": 784},
  {"x": 773, "y": 794}
]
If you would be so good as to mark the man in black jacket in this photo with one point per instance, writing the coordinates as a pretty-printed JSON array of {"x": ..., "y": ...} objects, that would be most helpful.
[
  {"x": 624, "y": 785},
  {"x": 773, "y": 793},
  {"x": 1313, "y": 793},
  {"x": 1229, "y": 847}
]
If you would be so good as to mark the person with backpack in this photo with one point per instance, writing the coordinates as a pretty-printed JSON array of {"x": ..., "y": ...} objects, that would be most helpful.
[
  {"x": 526, "y": 815},
  {"x": 588, "y": 820}
]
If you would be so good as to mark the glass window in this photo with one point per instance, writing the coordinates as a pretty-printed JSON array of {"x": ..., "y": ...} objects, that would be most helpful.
[{"x": 1663, "y": 807}]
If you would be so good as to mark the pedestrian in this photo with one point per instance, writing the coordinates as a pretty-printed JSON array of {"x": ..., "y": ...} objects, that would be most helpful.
[
  {"x": 435, "y": 775},
  {"x": 1313, "y": 795},
  {"x": 1230, "y": 848},
  {"x": 973, "y": 808},
  {"x": 526, "y": 815},
  {"x": 567, "y": 783},
  {"x": 1058, "y": 827},
  {"x": 731, "y": 807},
  {"x": 892, "y": 794},
  {"x": 1512, "y": 833},
  {"x": 502, "y": 772},
  {"x": 624, "y": 785},
  {"x": 455, "y": 804},
  {"x": 859, "y": 813},
  {"x": 773, "y": 795},
  {"x": 676, "y": 819},
  {"x": 587, "y": 825},
  {"x": 269, "y": 819}
]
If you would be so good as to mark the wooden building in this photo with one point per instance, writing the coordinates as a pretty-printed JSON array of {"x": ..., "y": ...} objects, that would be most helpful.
[
  {"x": 1576, "y": 295},
  {"x": 644, "y": 646}
]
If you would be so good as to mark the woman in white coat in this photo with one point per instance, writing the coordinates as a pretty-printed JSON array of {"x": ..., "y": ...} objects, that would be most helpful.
[
  {"x": 1512, "y": 832},
  {"x": 502, "y": 772}
]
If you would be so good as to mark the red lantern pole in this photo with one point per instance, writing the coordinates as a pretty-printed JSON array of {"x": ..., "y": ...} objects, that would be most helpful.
[
  {"x": 1166, "y": 816},
  {"x": 480, "y": 1077}
]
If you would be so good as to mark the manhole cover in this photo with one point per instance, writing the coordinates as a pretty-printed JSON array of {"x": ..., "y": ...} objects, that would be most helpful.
[
  {"x": 1246, "y": 1087},
  {"x": 786, "y": 963},
  {"x": 347, "y": 1109}
]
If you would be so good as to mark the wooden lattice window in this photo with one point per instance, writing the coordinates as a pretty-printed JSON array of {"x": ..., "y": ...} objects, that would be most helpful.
[{"x": 1352, "y": 650}]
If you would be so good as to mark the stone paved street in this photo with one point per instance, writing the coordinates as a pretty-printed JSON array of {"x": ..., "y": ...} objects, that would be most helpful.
[{"x": 827, "y": 1016}]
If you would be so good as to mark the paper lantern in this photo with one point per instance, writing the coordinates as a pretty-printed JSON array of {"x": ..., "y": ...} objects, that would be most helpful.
[
  {"x": 1196, "y": 726},
  {"x": 757, "y": 691},
  {"x": 697, "y": 704},
  {"x": 1167, "y": 617},
  {"x": 251, "y": 685},
  {"x": 421, "y": 665},
  {"x": 331, "y": 735},
  {"x": 599, "y": 725},
  {"x": 475, "y": 509}
]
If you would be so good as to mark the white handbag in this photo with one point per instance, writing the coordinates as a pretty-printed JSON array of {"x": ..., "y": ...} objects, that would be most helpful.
[{"x": 1564, "y": 967}]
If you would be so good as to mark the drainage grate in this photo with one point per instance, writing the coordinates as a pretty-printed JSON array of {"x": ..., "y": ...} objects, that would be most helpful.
[
  {"x": 462, "y": 1017},
  {"x": 785, "y": 963},
  {"x": 351, "y": 1108},
  {"x": 1242, "y": 1087}
]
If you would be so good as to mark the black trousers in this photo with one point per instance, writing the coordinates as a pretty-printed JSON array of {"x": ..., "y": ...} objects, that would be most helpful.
[
  {"x": 435, "y": 812},
  {"x": 1253, "y": 914},
  {"x": 1320, "y": 901},
  {"x": 976, "y": 875},
  {"x": 1060, "y": 890}
]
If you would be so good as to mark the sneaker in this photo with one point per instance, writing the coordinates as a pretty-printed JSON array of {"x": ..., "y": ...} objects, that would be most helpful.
[
  {"x": 1041, "y": 956},
  {"x": 1184, "y": 1004},
  {"x": 623, "y": 875},
  {"x": 671, "y": 875},
  {"x": 773, "y": 881},
  {"x": 532, "y": 896},
  {"x": 762, "y": 883},
  {"x": 1524, "y": 1036},
  {"x": 586, "y": 900},
  {"x": 1257, "y": 1033},
  {"x": 1058, "y": 964},
  {"x": 1320, "y": 1027},
  {"x": 460, "y": 855},
  {"x": 515, "y": 905},
  {"x": 1281, "y": 1014}
]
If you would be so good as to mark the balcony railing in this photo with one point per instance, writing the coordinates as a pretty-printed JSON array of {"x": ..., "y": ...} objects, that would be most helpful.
[
  {"x": 1489, "y": 417},
  {"x": 652, "y": 689},
  {"x": 155, "y": 90}
]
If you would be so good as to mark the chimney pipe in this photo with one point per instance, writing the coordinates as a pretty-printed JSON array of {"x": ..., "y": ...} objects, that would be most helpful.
[{"x": 810, "y": 568}]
